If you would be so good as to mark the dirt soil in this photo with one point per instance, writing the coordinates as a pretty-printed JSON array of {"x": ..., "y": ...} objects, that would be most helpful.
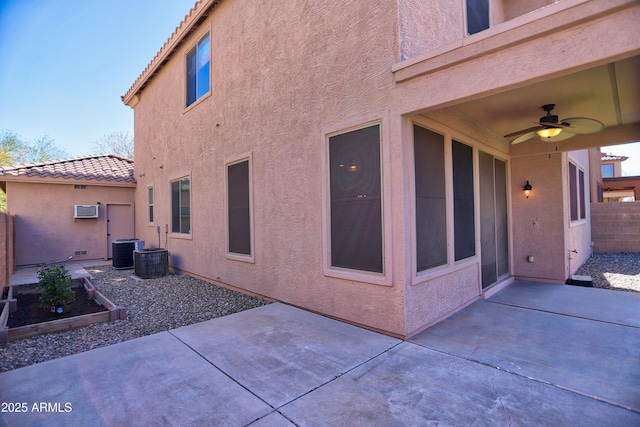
[{"x": 30, "y": 312}]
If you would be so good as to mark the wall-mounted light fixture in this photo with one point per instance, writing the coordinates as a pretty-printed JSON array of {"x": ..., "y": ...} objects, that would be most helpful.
[{"x": 527, "y": 189}]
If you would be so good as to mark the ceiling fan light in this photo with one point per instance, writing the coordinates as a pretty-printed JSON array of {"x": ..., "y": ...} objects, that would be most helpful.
[{"x": 549, "y": 132}]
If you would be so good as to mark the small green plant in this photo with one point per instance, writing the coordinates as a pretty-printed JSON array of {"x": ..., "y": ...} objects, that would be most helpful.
[{"x": 56, "y": 282}]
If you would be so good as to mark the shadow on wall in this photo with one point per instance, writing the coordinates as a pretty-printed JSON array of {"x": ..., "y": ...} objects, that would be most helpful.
[{"x": 175, "y": 261}]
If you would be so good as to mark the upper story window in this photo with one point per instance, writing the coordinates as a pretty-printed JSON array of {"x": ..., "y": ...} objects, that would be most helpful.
[
  {"x": 607, "y": 171},
  {"x": 198, "y": 70},
  {"x": 477, "y": 16}
]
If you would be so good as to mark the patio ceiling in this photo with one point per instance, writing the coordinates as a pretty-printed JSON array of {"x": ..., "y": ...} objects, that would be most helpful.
[{"x": 609, "y": 93}]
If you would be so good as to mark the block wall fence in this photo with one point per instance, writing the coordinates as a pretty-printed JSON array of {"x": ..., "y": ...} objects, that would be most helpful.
[{"x": 615, "y": 227}]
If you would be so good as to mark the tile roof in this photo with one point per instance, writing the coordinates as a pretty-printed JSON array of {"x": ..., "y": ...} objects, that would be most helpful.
[
  {"x": 104, "y": 167},
  {"x": 610, "y": 157}
]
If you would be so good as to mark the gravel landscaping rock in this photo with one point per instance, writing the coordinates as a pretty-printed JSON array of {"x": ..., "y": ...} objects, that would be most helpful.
[
  {"x": 153, "y": 305},
  {"x": 619, "y": 271}
]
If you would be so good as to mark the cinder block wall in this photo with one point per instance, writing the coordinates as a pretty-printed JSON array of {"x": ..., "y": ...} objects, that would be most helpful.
[{"x": 615, "y": 227}]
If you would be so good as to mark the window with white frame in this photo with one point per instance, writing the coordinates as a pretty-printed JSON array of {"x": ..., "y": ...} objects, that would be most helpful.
[
  {"x": 433, "y": 236},
  {"x": 477, "y": 15},
  {"x": 150, "y": 204},
  {"x": 239, "y": 211},
  {"x": 355, "y": 198},
  {"x": 607, "y": 170},
  {"x": 181, "y": 206},
  {"x": 577, "y": 193},
  {"x": 198, "y": 70},
  {"x": 431, "y": 200}
]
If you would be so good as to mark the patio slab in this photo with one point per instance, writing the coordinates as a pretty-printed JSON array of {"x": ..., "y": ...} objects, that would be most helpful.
[
  {"x": 589, "y": 303},
  {"x": 489, "y": 364},
  {"x": 593, "y": 358},
  {"x": 280, "y": 352},
  {"x": 153, "y": 380},
  {"x": 29, "y": 275},
  {"x": 414, "y": 386}
]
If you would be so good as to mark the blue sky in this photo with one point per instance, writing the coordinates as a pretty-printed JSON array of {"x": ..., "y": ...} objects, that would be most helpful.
[{"x": 64, "y": 64}]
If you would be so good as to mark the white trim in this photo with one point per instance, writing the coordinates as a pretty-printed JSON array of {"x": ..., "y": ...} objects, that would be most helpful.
[
  {"x": 151, "y": 187},
  {"x": 206, "y": 31},
  {"x": 380, "y": 118},
  {"x": 251, "y": 258},
  {"x": 173, "y": 234}
]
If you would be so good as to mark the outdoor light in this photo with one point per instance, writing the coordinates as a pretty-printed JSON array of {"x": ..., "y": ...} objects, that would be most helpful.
[
  {"x": 527, "y": 189},
  {"x": 549, "y": 132}
]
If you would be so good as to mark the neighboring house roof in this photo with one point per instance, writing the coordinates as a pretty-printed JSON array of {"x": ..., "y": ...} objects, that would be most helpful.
[
  {"x": 612, "y": 157},
  {"x": 189, "y": 24},
  {"x": 105, "y": 167}
]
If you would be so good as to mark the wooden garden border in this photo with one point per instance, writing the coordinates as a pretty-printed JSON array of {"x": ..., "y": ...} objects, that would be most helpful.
[{"x": 60, "y": 325}]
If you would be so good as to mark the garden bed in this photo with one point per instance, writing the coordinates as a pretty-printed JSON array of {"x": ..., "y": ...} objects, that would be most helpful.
[{"x": 22, "y": 317}]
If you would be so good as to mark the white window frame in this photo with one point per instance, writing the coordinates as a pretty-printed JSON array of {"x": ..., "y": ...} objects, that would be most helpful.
[
  {"x": 151, "y": 204},
  {"x": 381, "y": 118},
  {"x": 175, "y": 234},
  {"x": 251, "y": 258},
  {"x": 194, "y": 45}
]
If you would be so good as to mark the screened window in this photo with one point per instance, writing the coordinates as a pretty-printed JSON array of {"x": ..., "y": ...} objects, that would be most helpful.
[
  {"x": 431, "y": 219},
  {"x": 238, "y": 208},
  {"x": 356, "y": 200},
  {"x": 150, "y": 204},
  {"x": 577, "y": 193},
  {"x": 463, "y": 201},
  {"x": 198, "y": 70},
  {"x": 582, "y": 195},
  {"x": 477, "y": 16},
  {"x": 181, "y": 206}
]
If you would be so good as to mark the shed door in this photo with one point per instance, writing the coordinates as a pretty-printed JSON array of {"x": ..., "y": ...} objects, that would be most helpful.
[{"x": 119, "y": 224}]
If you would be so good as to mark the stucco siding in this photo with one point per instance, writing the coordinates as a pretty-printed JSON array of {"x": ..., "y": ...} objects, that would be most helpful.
[
  {"x": 278, "y": 86},
  {"x": 539, "y": 223},
  {"x": 45, "y": 225}
]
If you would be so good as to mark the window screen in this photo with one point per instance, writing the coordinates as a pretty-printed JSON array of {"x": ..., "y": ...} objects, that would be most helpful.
[
  {"x": 431, "y": 222},
  {"x": 573, "y": 192},
  {"x": 463, "y": 201},
  {"x": 239, "y": 214},
  {"x": 356, "y": 200}
]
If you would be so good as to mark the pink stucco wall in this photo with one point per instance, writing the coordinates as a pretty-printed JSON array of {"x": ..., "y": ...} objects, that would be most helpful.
[
  {"x": 44, "y": 224},
  {"x": 279, "y": 87}
]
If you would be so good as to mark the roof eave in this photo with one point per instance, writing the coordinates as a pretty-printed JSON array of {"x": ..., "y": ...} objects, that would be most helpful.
[{"x": 189, "y": 24}]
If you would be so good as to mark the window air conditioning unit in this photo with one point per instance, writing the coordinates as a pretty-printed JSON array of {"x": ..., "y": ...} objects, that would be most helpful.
[{"x": 85, "y": 211}]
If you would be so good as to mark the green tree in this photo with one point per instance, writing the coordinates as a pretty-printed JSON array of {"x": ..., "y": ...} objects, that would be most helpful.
[
  {"x": 15, "y": 150},
  {"x": 12, "y": 149},
  {"x": 119, "y": 143}
]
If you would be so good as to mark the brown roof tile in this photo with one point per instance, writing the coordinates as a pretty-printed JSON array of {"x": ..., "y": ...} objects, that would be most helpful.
[
  {"x": 107, "y": 167},
  {"x": 609, "y": 157}
]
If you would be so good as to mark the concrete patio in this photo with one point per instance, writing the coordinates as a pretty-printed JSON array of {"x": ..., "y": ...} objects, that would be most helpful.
[{"x": 534, "y": 354}]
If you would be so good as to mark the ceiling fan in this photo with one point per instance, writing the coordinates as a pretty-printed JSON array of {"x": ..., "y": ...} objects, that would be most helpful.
[{"x": 549, "y": 128}]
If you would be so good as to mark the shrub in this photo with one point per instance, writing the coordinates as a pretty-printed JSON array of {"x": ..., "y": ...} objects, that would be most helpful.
[{"x": 56, "y": 282}]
